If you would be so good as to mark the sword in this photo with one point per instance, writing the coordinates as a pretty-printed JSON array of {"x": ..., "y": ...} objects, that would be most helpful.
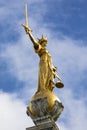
[
  {"x": 26, "y": 26},
  {"x": 26, "y": 15}
]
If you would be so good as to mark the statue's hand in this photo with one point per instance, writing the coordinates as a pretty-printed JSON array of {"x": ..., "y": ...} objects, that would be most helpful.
[{"x": 27, "y": 30}]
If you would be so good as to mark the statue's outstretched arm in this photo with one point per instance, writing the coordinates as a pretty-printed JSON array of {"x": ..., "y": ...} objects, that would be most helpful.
[
  {"x": 28, "y": 31},
  {"x": 33, "y": 39}
]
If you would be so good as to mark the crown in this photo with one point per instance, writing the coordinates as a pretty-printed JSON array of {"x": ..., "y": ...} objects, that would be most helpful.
[{"x": 43, "y": 39}]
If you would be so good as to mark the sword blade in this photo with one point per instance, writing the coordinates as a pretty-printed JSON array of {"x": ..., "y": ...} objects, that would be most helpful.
[{"x": 26, "y": 15}]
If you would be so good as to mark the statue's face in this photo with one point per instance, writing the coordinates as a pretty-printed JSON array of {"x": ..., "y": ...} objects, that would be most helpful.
[
  {"x": 42, "y": 41},
  {"x": 44, "y": 44}
]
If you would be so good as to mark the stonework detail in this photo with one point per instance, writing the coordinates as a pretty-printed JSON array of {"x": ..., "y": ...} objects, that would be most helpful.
[
  {"x": 42, "y": 112},
  {"x": 45, "y": 126}
]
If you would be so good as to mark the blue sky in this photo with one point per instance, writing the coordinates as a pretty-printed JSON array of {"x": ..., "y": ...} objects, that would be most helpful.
[{"x": 64, "y": 22}]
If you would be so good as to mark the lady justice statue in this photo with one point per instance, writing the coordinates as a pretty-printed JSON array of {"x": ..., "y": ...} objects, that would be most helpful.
[{"x": 44, "y": 103}]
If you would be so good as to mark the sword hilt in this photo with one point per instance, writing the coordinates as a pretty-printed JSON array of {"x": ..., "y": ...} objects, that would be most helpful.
[{"x": 27, "y": 29}]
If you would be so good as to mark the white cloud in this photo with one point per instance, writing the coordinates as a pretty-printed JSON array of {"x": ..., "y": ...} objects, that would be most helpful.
[
  {"x": 13, "y": 113},
  {"x": 13, "y": 116},
  {"x": 18, "y": 61},
  {"x": 74, "y": 116}
]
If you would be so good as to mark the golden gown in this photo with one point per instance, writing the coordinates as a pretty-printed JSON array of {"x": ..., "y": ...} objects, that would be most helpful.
[{"x": 45, "y": 74}]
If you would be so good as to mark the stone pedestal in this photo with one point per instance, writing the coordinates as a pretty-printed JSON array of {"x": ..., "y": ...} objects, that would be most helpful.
[{"x": 50, "y": 125}]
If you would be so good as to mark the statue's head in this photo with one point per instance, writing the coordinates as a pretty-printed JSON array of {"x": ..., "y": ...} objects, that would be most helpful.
[{"x": 43, "y": 41}]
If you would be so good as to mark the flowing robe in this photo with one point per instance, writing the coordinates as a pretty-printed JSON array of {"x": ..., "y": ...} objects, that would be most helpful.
[{"x": 45, "y": 74}]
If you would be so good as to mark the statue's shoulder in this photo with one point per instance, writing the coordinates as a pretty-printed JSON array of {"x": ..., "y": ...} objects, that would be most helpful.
[{"x": 37, "y": 48}]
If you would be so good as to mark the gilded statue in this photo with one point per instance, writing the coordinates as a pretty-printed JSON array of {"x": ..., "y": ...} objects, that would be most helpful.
[
  {"x": 46, "y": 80},
  {"x": 47, "y": 71}
]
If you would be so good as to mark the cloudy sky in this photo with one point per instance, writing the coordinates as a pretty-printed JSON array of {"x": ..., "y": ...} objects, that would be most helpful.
[{"x": 64, "y": 22}]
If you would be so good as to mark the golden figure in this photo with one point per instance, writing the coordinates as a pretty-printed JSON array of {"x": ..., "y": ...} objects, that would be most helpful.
[
  {"x": 44, "y": 102},
  {"x": 47, "y": 72}
]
